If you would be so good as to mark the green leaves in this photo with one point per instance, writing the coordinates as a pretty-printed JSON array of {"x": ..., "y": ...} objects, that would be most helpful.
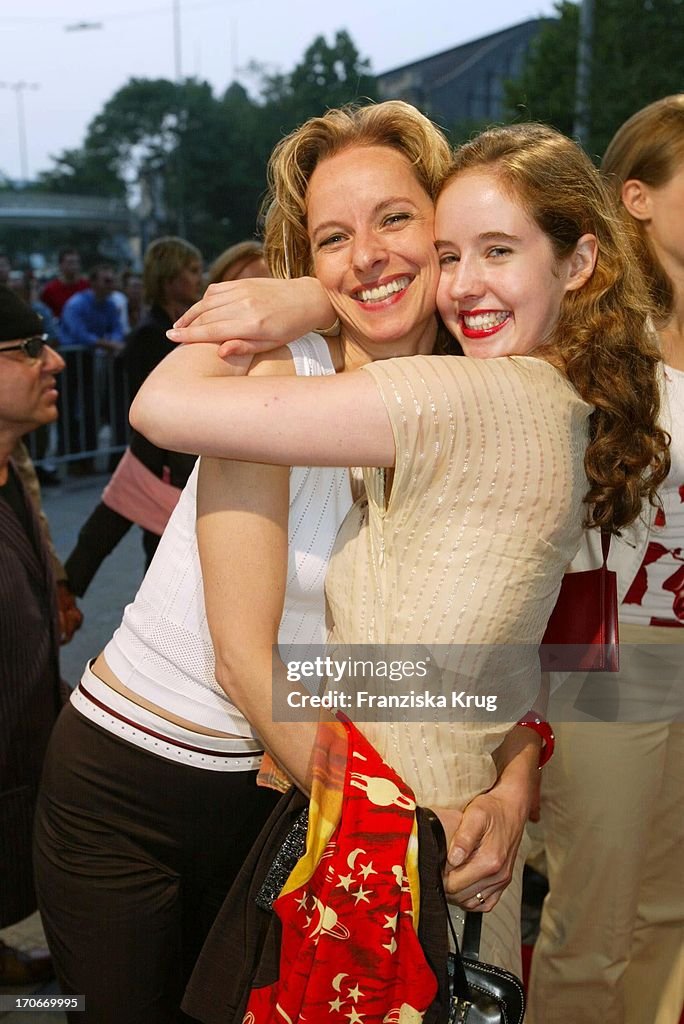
[
  {"x": 203, "y": 157},
  {"x": 636, "y": 58}
]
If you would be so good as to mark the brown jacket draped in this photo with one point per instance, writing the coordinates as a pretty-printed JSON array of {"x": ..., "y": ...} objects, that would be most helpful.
[
  {"x": 29, "y": 697},
  {"x": 242, "y": 949}
]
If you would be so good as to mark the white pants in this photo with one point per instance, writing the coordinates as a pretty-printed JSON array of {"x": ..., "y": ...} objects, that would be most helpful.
[{"x": 611, "y": 948}]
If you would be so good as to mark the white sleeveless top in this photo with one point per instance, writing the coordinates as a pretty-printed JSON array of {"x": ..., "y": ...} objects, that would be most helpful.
[{"x": 162, "y": 650}]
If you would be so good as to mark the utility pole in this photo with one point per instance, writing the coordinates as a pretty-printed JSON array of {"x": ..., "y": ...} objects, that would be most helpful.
[
  {"x": 178, "y": 69},
  {"x": 177, "y": 54},
  {"x": 582, "y": 123},
  {"x": 19, "y": 89}
]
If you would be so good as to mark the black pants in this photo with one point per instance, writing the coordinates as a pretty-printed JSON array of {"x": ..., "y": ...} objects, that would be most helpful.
[
  {"x": 102, "y": 531},
  {"x": 134, "y": 855}
]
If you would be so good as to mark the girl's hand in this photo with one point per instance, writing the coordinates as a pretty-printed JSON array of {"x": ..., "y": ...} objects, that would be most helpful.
[
  {"x": 255, "y": 315},
  {"x": 482, "y": 851}
]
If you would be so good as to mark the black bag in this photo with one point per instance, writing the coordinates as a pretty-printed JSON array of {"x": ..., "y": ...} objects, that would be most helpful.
[{"x": 479, "y": 993}]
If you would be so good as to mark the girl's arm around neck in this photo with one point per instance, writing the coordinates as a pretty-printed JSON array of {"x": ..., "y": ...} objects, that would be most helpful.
[{"x": 187, "y": 405}]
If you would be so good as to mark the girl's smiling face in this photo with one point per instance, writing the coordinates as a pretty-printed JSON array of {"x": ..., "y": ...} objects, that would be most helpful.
[{"x": 501, "y": 285}]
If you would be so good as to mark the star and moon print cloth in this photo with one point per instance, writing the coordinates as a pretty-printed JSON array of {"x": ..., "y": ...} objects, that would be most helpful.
[{"x": 349, "y": 951}]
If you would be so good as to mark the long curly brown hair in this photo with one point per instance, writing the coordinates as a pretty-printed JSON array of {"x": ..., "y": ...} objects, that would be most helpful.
[{"x": 602, "y": 339}]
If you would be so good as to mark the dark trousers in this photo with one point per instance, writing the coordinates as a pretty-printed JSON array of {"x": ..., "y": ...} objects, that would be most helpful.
[
  {"x": 98, "y": 537},
  {"x": 134, "y": 855}
]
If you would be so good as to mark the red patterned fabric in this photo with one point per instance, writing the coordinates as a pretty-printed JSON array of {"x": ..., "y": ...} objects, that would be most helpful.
[{"x": 349, "y": 952}]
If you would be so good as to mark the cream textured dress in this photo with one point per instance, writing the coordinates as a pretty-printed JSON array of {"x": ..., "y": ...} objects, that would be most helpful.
[{"x": 485, "y": 514}]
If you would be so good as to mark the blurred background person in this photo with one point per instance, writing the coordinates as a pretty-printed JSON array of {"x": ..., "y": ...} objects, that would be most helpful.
[
  {"x": 91, "y": 317},
  {"x": 24, "y": 283},
  {"x": 68, "y": 282},
  {"x": 147, "y": 482},
  {"x": 132, "y": 286},
  {"x": 244, "y": 259},
  {"x": 90, "y": 322},
  {"x": 5, "y": 268},
  {"x": 611, "y": 948}
]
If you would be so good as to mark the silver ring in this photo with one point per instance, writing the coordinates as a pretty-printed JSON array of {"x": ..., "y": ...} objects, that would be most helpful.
[{"x": 480, "y": 897}]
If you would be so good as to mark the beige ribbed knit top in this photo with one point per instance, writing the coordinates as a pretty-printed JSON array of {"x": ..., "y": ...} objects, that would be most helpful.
[{"x": 484, "y": 515}]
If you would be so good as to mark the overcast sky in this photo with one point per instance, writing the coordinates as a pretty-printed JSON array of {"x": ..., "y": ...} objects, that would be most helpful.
[{"x": 77, "y": 71}]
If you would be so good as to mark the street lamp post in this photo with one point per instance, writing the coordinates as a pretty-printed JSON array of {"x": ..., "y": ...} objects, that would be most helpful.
[
  {"x": 19, "y": 89},
  {"x": 177, "y": 61},
  {"x": 582, "y": 124},
  {"x": 178, "y": 68}
]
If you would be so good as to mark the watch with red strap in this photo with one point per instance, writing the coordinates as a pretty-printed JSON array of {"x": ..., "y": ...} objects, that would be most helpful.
[{"x": 539, "y": 725}]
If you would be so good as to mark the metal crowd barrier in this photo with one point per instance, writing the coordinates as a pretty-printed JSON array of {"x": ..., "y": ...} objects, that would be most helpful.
[{"x": 93, "y": 410}]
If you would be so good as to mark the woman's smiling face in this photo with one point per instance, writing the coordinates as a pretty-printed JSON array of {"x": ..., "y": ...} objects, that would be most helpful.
[
  {"x": 370, "y": 225},
  {"x": 501, "y": 286}
]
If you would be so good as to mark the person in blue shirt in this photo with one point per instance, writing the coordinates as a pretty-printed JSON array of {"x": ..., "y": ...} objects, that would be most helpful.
[
  {"x": 90, "y": 320},
  {"x": 91, "y": 317}
]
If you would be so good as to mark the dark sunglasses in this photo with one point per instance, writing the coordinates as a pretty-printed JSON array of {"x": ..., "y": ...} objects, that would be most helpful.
[{"x": 31, "y": 347}]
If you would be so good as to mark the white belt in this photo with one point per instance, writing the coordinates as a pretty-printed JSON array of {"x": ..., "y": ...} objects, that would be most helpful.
[{"x": 122, "y": 717}]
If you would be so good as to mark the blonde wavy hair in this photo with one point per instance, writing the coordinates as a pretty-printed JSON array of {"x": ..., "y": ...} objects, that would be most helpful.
[
  {"x": 648, "y": 147},
  {"x": 601, "y": 339},
  {"x": 394, "y": 124},
  {"x": 165, "y": 258}
]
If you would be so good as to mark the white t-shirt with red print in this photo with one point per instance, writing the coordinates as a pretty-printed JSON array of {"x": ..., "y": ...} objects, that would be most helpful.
[{"x": 656, "y": 594}]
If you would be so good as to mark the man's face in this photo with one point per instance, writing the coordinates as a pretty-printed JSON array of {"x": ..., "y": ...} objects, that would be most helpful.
[
  {"x": 70, "y": 266},
  {"x": 28, "y": 392},
  {"x": 103, "y": 284}
]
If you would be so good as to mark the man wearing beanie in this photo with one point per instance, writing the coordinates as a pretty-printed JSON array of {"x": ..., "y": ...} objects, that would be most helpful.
[{"x": 29, "y": 670}]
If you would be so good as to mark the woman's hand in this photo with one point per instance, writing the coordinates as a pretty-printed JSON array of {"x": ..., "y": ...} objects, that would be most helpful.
[
  {"x": 482, "y": 851},
  {"x": 255, "y": 315}
]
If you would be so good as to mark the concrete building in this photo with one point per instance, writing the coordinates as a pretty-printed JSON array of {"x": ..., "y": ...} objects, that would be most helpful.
[{"x": 465, "y": 84}]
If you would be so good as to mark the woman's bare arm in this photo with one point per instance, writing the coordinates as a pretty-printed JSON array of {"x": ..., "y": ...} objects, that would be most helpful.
[
  {"x": 242, "y": 536},
  {"x": 242, "y": 511},
  {"x": 255, "y": 315},
  {"x": 186, "y": 404}
]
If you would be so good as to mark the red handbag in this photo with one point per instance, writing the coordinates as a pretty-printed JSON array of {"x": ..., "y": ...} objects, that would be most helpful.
[{"x": 582, "y": 633}]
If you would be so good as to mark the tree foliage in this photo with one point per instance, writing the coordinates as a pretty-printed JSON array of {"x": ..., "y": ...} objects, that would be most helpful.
[
  {"x": 636, "y": 58},
  {"x": 196, "y": 161}
]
